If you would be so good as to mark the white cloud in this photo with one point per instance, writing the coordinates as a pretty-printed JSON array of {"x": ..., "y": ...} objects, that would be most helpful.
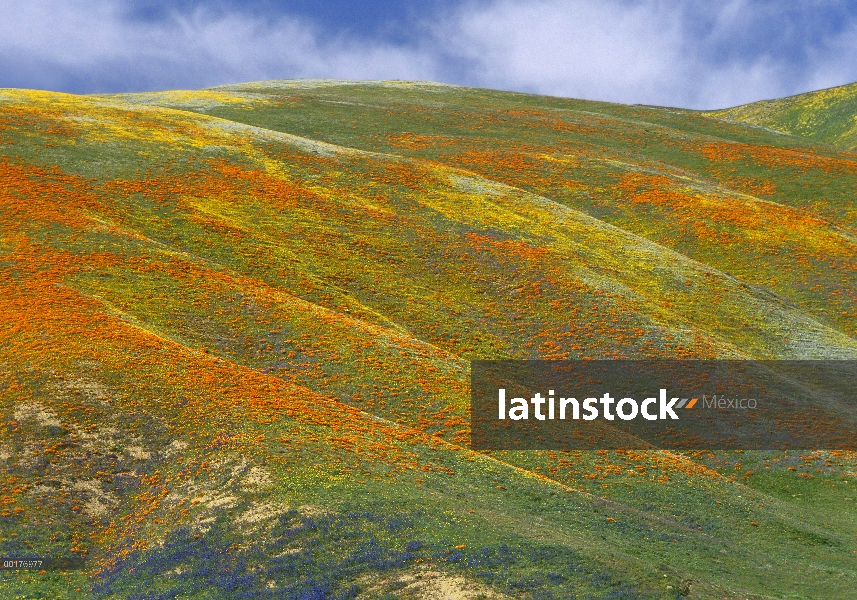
[
  {"x": 692, "y": 53},
  {"x": 581, "y": 49},
  {"x": 60, "y": 44}
]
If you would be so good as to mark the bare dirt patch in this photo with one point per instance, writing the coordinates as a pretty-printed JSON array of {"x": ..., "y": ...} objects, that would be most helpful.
[{"x": 426, "y": 583}]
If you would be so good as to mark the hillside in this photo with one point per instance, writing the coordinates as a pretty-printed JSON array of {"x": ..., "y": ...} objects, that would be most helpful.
[
  {"x": 825, "y": 116},
  {"x": 236, "y": 327}
]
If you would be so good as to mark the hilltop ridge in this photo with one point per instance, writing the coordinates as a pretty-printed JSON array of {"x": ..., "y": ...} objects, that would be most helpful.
[{"x": 826, "y": 115}]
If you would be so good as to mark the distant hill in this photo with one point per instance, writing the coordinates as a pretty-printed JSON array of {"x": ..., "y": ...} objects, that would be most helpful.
[
  {"x": 828, "y": 116},
  {"x": 236, "y": 326}
]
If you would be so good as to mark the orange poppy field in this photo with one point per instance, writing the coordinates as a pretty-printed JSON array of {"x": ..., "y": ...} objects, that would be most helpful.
[{"x": 236, "y": 327}]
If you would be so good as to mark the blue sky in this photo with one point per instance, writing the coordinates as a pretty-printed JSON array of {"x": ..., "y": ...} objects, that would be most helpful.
[{"x": 688, "y": 53}]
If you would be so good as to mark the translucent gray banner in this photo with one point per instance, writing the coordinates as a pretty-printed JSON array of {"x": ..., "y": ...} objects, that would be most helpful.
[{"x": 668, "y": 404}]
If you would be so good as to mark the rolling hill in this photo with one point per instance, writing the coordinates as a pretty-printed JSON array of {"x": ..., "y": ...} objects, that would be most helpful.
[
  {"x": 826, "y": 116},
  {"x": 236, "y": 327}
]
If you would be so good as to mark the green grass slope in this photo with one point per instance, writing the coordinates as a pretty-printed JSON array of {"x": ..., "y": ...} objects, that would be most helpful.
[
  {"x": 236, "y": 326},
  {"x": 767, "y": 210},
  {"x": 826, "y": 116}
]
